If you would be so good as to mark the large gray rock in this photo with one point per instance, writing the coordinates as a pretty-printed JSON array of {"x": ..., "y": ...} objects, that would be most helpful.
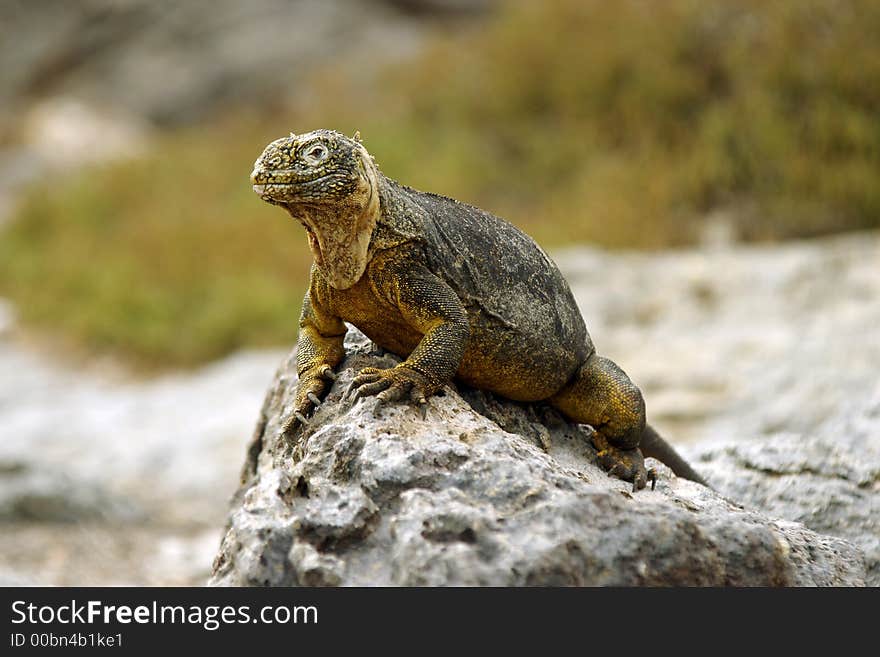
[
  {"x": 367, "y": 497},
  {"x": 827, "y": 479}
]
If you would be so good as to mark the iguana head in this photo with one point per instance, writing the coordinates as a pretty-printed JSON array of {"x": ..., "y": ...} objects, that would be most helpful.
[{"x": 328, "y": 182}]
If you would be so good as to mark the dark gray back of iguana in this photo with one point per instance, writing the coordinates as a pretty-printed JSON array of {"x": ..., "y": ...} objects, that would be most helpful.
[{"x": 496, "y": 267}]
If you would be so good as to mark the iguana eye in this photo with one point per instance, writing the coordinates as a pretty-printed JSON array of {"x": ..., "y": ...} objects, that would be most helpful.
[{"x": 315, "y": 154}]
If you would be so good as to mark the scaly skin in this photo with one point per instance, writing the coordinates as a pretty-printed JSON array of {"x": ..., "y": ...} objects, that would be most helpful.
[{"x": 456, "y": 291}]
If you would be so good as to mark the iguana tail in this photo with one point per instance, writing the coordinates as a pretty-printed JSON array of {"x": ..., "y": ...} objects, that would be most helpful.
[{"x": 653, "y": 445}]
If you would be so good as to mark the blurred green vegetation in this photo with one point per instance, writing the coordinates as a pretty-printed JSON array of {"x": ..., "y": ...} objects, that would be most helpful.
[
  {"x": 618, "y": 123},
  {"x": 168, "y": 260}
]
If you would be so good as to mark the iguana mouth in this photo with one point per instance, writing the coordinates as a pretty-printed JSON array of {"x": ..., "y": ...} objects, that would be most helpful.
[
  {"x": 283, "y": 177},
  {"x": 263, "y": 179},
  {"x": 264, "y": 189},
  {"x": 261, "y": 188}
]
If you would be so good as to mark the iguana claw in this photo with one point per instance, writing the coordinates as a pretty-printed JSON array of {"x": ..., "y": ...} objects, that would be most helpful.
[{"x": 626, "y": 464}]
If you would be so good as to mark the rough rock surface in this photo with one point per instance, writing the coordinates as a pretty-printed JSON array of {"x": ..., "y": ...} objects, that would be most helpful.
[
  {"x": 828, "y": 478},
  {"x": 367, "y": 497}
]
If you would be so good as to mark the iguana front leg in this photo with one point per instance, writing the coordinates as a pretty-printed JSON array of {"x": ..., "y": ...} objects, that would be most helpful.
[
  {"x": 319, "y": 350},
  {"x": 431, "y": 307}
]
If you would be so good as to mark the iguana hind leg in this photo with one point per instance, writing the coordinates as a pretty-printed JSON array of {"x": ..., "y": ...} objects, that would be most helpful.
[{"x": 601, "y": 394}]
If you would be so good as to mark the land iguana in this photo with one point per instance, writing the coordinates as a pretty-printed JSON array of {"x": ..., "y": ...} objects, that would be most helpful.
[{"x": 456, "y": 291}]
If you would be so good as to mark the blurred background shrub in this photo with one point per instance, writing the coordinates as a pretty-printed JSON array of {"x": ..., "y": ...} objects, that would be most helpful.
[{"x": 623, "y": 124}]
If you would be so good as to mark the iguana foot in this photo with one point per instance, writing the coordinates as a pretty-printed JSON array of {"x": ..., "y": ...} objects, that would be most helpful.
[
  {"x": 390, "y": 385},
  {"x": 310, "y": 386},
  {"x": 626, "y": 464}
]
